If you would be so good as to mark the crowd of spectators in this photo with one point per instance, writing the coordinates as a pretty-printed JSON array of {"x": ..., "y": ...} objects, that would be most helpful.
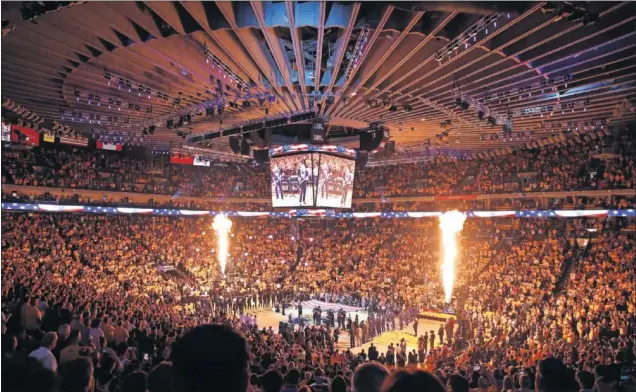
[
  {"x": 91, "y": 303},
  {"x": 550, "y": 168}
]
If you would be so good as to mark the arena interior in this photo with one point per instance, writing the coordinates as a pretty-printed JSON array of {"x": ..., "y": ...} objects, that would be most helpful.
[{"x": 299, "y": 196}]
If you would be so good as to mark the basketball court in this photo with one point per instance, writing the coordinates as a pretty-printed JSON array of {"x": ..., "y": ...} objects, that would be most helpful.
[{"x": 267, "y": 317}]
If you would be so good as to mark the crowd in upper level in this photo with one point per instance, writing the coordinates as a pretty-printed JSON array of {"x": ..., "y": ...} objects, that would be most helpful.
[{"x": 550, "y": 168}]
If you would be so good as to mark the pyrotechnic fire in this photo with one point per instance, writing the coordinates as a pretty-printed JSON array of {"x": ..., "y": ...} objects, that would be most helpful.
[
  {"x": 451, "y": 223},
  {"x": 222, "y": 226}
]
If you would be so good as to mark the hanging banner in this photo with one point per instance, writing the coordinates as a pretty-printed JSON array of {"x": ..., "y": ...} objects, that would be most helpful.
[
  {"x": 6, "y": 132},
  {"x": 80, "y": 142},
  {"x": 182, "y": 159},
  {"x": 109, "y": 146},
  {"x": 201, "y": 161},
  {"x": 24, "y": 135}
]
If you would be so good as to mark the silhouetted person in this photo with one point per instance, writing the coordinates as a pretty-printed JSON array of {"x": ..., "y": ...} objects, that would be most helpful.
[{"x": 210, "y": 358}]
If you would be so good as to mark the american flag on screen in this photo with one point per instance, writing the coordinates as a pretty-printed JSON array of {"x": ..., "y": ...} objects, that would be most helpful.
[
  {"x": 535, "y": 214},
  {"x": 581, "y": 213},
  {"x": 312, "y": 213},
  {"x": 621, "y": 213},
  {"x": 57, "y": 208}
]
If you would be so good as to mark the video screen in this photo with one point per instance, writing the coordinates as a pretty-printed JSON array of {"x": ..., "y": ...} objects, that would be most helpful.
[
  {"x": 335, "y": 182},
  {"x": 292, "y": 180},
  {"x": 312, "y": 180}
]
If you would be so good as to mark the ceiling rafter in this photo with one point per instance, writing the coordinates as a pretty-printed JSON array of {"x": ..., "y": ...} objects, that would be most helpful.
[
  {"x": 388, "y": 89},
  {"x": 321, "y": 38},
  {"x": 374, "y": 37},
  {"x": 298, "y": 51},
  {"x": 195, "y": 9},
  {"x": 341, "y": 49},
  {"x": 366, "y": 74},
  {"x": 359, "y": 97},
  {"x": 276, "y": 50},
  {"x": 228, "y": 13},
  {"x": 160, "y": 46}
]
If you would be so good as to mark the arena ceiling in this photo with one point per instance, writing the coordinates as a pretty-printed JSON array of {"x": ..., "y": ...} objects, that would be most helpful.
[{"x": 116, "y": 68}]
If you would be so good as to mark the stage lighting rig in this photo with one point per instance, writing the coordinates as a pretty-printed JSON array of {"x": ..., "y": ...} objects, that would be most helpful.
[
  {"x": 481, "y": 28},
  {"x": 358, "y": 51},
  {"x": 227, "y": 72}
]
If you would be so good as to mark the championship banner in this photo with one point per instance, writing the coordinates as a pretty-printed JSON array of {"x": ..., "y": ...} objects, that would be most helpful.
[
  {"x": 79, "y": 142},
  {"x": 6, "y": 132},
  {"x": 48, "y": 138},
  {"x": 110, "y": 146},
  {"x": 200, "y": 161},
  {"x": 181, "y": 159},
  {"x": 24, "y": 135}
]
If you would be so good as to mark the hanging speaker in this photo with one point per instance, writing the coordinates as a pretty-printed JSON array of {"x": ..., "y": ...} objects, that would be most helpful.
[
  {"x": 262, "y": 138},
  {"x": 261, "y": 156},
  {"x": 318, "y": 131},
  {"x": 361, "y": 159},
  {"x": 245, "y": 148},
  {"x": 372, "y": 140},
  {"x": 235, "y": 144}
]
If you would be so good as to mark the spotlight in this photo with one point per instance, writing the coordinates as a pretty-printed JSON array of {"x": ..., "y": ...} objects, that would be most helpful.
[
  {"x": 187, "y": 119},
  {"x": 492, "y": 120},
  {"x": 151, "y": 129},
  {"x": 247, "y": 104},
  {"x": 481, "y": 115},
  {"x": 393, "y": 108},
  {"x": 170, "y": 124},
  {"x": 407, "y": 108}
]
